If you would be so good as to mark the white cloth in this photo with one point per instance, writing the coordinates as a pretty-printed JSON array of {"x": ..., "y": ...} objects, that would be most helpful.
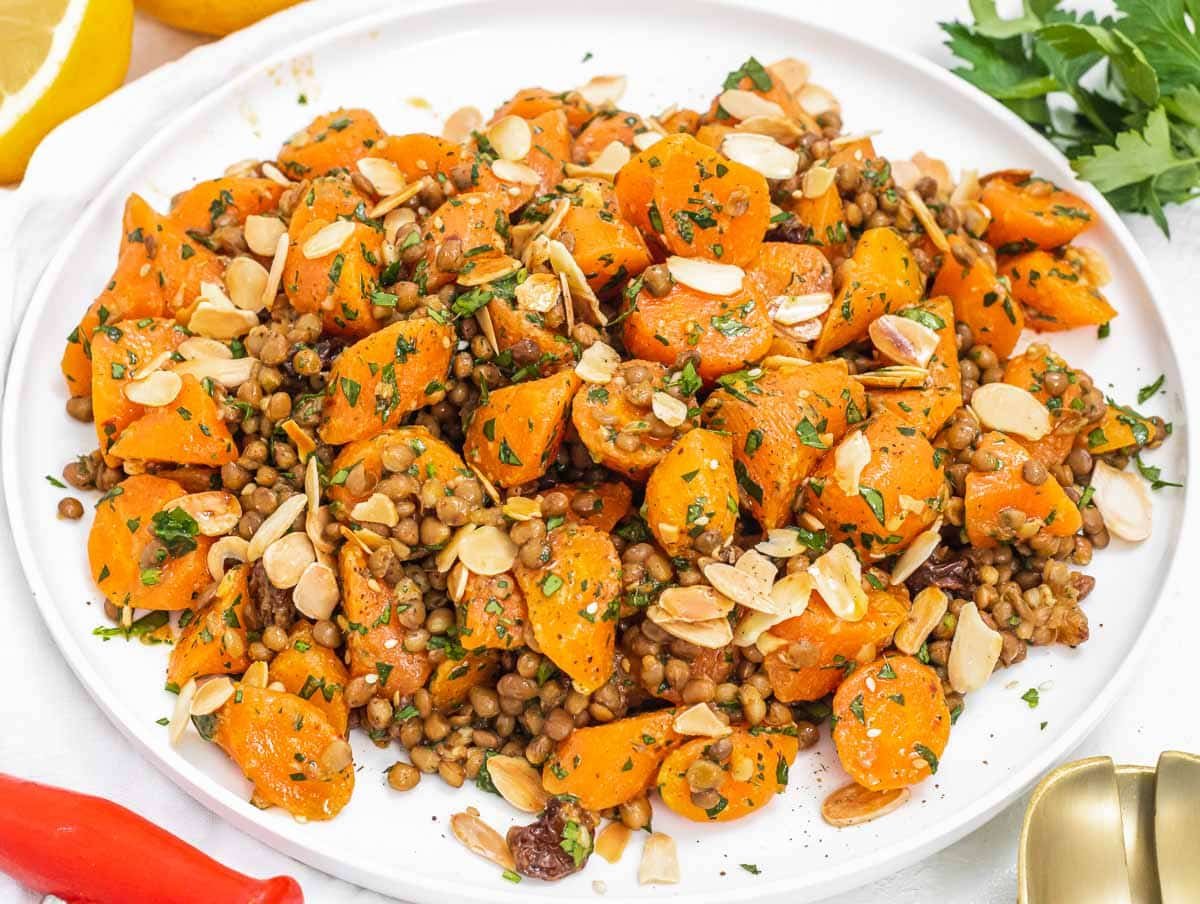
[{"x": 54, "y": 733}]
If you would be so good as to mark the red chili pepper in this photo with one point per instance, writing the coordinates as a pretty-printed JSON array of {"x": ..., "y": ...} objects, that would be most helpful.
[{"x": 89, "y": 850}]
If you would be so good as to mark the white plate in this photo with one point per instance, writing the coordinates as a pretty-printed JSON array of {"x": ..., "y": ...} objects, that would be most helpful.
[{"x": 479, "y": 55}]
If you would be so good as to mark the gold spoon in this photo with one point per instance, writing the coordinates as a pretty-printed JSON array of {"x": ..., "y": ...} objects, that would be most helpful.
[{"x": 1177, "y": 827}]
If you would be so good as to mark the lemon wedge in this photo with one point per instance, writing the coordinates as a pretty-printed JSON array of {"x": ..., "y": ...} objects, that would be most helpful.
[
  {"x": 212, "y": 17},
  {"x": 56, "y": 58}
]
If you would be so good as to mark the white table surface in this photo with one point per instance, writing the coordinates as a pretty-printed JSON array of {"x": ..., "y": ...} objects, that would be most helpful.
[{"x": 54, "y": 733}]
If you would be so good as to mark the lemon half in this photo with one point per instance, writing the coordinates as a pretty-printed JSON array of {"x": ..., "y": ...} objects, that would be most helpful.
[
  {"x": 56, "y": 58},
  {"x": 212, "y": 17}
]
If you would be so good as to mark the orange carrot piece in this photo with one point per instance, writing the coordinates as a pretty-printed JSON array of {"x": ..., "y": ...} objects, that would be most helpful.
[
  {"x": 1056, "y": 294},
  {"x": 333, "y": 141},
  {"x": 316, "y": 674},
  {"x": 225, "y": 201},
  {"x": 214, "y": 641},
  {"x": 982, "y": 300},
  {"x": 928, "y": 409},
  {"x": 757, "y": 770},
  {"x": 692, "y": 491},
  {"x": 189, "y": 431},
  {"x": 1031, "y": 212},
  {"x": 492, "y": 613}
]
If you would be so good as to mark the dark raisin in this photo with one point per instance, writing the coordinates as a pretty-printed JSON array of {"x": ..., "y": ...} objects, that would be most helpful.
[{"x": 551, "y": 848}]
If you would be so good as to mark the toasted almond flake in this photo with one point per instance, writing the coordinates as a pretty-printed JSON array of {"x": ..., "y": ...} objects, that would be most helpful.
[
  {"x": 838, "y": 578},
  {"x": 603, "y": 90},
  {"x": 277, "y": 524},
  {"x": 761, "y": 153},
  {"x": 768, "y": 643},
  {"x": 817, "y": 180},
  {"x": 272, "y": 172},
  {"x": 739, "y": 586},
  {"x": 286, "y": 558},
  {"x": 606, "y": 165},
  {"x": 487, "y": 551},
  {"x": 482, "y": 839},
  {"x": 262, "y": 233},
  {"x": 220, "y": 322},
  {"x": 968, "y": 188},
  {"x": 316, "y": 594},
  {"x": 850, "y": 458},
  {"x": 246, "y": 279},
  {"x": 518, "y": 782},
  {"x": 598, "y": 363},
  {"x": 645, "y": 140},
  {"x": 367, "y": 540},
  {"x": 780, "y": 128},
  {"x": 181, "y": 715},
  {"x": 817, "y": 100},
  {"x": 843, "y": 140},
  {"x": 522, "y": 508},
  {"x": 744, "y": 104},
  {"x": 211, "y": 696},
  {"x": 611, "y": 842},
  {"x": 926, "y": 613},
  {"x": 701, "y": 722},
  {"x": 852, "y": 804},
  {"x": 974, "y": 651},
  {"x": 791, "y": 73},
  {"x": 696, "y": 603},
  {"x": 304, "y": 443},
  {"x": 196, "y": 348},
  {"x": 488, "y": 269},
  {"x": 1123, "y": 501},
  {"x": 229, "y": 372},
  {"x": 256, "y": 675},
  {"x": 1092, "y": 265},
  {"x": 383, "y": 175},
  {"x": 1011, "y": 409},
  {"x": 784, "y": 361},
  {"x": 275, "y": 276},
  {"x": 404, "y": 195},
  {"x": 511, "y": 137},
  {"x": 461, "y": 123},
  {"x": 484, "y": 318},
  {"x": 928, "y": 221},
  {"x": 376, "y": 508},
  {"x": 582, "y": 298},
  {"x": 791, "y": 593},
  {"x": 759, "y": 567},
  {"x": 395, "y": 220},
  {"x": 713, "y": 634},
  {"x": 156, "y": 390},
  {"x": 448, "y": 554},
  {"x": 488, "y": 487},
  {"x": 456, "y": 583},
  {"x": 327, "y": 239},
  {"x": 519, "y": 173},
  {"x": 903, "y": 340},
  {"x": 789, "y": 310},
  {"x": 539, "y": 293},
  {"x": 898, "y": 376},
  {"x": 216, "y": 512},
  {"x": 706, "y": 276},
  {"x": 155, "y": 363},
  {"x": 671, "y": 411},
  {"x": 781, "y": 543},
  {"x": 917, "y": 553},
  {"x": 660, "y": 861}
]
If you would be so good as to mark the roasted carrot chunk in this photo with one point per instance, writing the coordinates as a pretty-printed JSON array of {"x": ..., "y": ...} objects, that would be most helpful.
[
  {"x": 892, "y": 723},
  {"x": 928, "y": 409},
  {"x": 982, "y": 299},
  {"x": 824, "y": 221},
  {"x": 755, "y": 772},
  {"x": 316, "y": 674},
  {"x": 607, "y": 248},
  {"x": 600, "y": 506},
  {"x": 605, "y": 128},
  {"x": 224, "y": 202},
  {"x": 1057, "y": 292},
  {"x": 188, "y": 431},
  {"x": 1031, "y": 212},
  {"x": 453, "y": 678},
  {"x": 419, "y": 451},
  {"x": 546, "y": 160},
  {"x": 693, "y": 491},
  {"x": 418, "y": 155},
  {"x": 333, "y": 141},
  {"x": 491, "y": 613},
  {"x": 529, "y": 103},
  {"x": 1120, "y": 428},
  {"x": 214, "y": 641},
  {"x": 477, "y": 220}
]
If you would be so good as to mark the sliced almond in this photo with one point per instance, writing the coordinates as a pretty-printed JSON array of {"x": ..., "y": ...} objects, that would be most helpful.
[
  {"x": 156, "y": 390},
  {"x": 518, "y": 782},
  {"x": 316, "y": 594},
  {"x": 761, "y": 153},
  {"x": 327, "y": 239},
  {"x": 271, "y": 171},
  {"x": 706, "y": 276},
  {"x": 781, "y": 543},
  {"x": 377, "y": 509},
  {"x": 487, "y": 269},
  {"x": 406, "y": 194},
  {"x": 917, "y": 553},
  {"x": 383, "y": 174},
  {"x": 231, "y": 547},
  {"x": 696, "y": 603},
  {"x": 304, "y": 443},
  {"x": 395, "y": 220},
  {"x": 482, "y": 839},
  {"x": 229, "y": 372},
  {"x": 817, "y": 180},
  {"x": 262, "y": 233},
  {"x": 211, "y": 696},
  {"x": 789, "y": 310},
  {"x": 768, "y": 643},
  {"x": 844, "y": 140},
  {"x": 518, "y": 173},
  {"x": 598, "y": 363},
  {"x": 838, "y": 578},
  {"x": 286, "y": 558},
  {"x": 215, "y": 512},
  {"x": 584, "y": 300},
  {"x": 606, "y": 165},
  {"x": 256, "y": 675},
  {"x": 742, "y": 104},
  {"x": 484, "y": 318},
  {"x": 789, "y": 596},
  {"x": 488, "y": 487},
  {"x": 511, "y": 137},
  {"x": 603, "y": 90},
  {"x": 791, "y": 73},
  {"x": 487, "y": 551},
  {"x": 739, "y": 586},
  {"x": 817, "y": 100},
  {"x": 276, "y": 273},
  {"x": 456, "y": 582},
  {"x": 448, "y": 554},
  {"x": 759, "y": 567},
  {"x": 779, "y": 128},
  {"x": 852, "y": 804},
  {"x": 903, "y": 340},
  {"x": 928, "y": 221},
  {"x": 974, "y": 651},
  {"x": 671, "y": 411},
  {"x": 197, "y": 348},
  {"x": 1011, "y": 409},
  {"x": 540, "y": 293},
  {"x": 218, "y": 321},
  {"x": 646, "y": 140},
  {"x": 461, "y": 123},
  {"x": 246, "y": 280},
  {"x": 926, "y": 613},
  {"x": 1123, "y": 501},
  {"x": 714, "y": 634},
  {"x": 898, "y": 376},
  {"x": 181, "y": 714},
  {"x": 850, "y": 458},
  {"x": 660, "y": 861},
  {"x": 701, "y": 722},
  {"x": 278, "y": 523},
  {"x": 611, "y": 842},
  {"x": 522, "y": 508}
]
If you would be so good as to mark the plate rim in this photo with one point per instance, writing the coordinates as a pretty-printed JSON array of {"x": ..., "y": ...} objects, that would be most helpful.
[{"x": 242, "y": 815}]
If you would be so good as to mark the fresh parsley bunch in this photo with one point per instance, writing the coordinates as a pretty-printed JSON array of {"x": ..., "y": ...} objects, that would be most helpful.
[{"x": 1120, "y": 96}]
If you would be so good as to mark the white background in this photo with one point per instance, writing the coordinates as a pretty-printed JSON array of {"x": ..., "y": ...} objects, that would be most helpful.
[{"x": 53, "y": 732}]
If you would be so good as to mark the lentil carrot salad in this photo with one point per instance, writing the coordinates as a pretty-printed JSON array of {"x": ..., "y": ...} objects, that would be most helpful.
[{"x": 598, "y": 459}]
